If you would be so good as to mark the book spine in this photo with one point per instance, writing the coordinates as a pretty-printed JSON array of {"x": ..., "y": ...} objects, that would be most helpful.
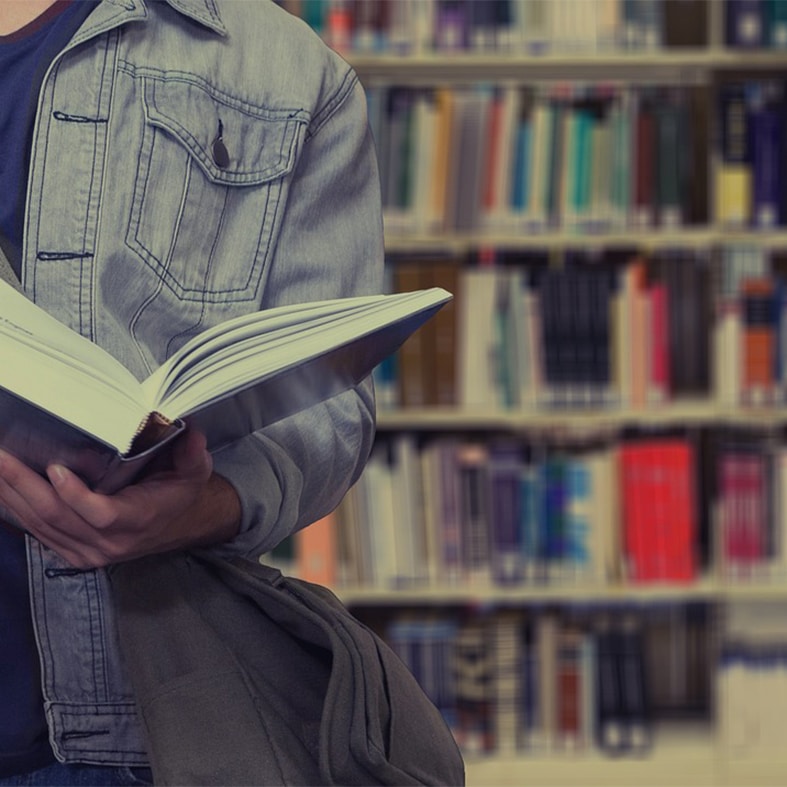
[
  {"x": 745, "y": 23},
  {"x": 734, "y": 173}
]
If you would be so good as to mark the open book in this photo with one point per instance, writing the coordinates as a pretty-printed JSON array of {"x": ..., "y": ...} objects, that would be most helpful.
[{"x": 65, "y": 399}]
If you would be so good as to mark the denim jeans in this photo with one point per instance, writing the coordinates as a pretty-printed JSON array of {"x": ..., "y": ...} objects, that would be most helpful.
[{"x": 61, "y": 775}]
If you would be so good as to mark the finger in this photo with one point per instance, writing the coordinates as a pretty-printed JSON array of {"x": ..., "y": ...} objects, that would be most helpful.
[
  {"x": 71, "y": 549},
  {"x": 97, "y": 510}
]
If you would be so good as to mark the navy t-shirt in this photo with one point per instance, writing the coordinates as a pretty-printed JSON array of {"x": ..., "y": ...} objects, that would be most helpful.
[{"x": 24, "y": 58}]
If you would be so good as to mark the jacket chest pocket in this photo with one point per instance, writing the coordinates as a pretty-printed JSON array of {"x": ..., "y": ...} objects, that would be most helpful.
[{"x": 208, "y": 189}]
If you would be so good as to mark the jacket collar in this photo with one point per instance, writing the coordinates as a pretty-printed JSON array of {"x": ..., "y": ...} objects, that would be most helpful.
[
  {"x": 205, "y": 12},
  {"x": 111, "y": 12}
]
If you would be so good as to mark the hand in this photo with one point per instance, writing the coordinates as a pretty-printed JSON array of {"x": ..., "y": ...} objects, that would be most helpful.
[{"x": 184, "y": 505}]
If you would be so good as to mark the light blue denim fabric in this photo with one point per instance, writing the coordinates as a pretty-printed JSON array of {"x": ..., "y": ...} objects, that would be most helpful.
[{"x": 139, "y": 236}]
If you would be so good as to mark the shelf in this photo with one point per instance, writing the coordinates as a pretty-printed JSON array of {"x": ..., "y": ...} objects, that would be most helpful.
[
  {"x": 491, "y": 419},
  {"x": 684, "y": 755},
  {"x": 472, "y": 594},
  {"x": 661, "y": 65},
  {"x": 685, "y": 65},
  {"x": 707, "y": 589},
  {"x": 397, "y": 241}
]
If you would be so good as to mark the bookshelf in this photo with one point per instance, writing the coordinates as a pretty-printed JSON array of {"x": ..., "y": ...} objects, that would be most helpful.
[{"x": 653, "y": 52}]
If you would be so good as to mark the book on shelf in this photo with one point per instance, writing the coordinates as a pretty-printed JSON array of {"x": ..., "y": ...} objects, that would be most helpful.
[
  {"x": 506, "y": 513},
  {"x": 750, "y": 539},
  {"x": 734, "y": 171},
  {"x": 658, "y": 478},
  {"x": 547, "y": 681},
  {"x": 509, "y": 157},
  {"x": 65, "y": 399},
  {"x": 529, "y": 27},
  {"x": 746, "y": 23}
]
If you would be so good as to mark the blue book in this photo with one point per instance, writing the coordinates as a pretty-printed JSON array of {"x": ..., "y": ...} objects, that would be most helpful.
[
  {"x": 522, "y": 141},
  {"x": 555, "y": 515},
  {"x": 530, "y": 510},
  {"x": 504, "y": 473},
  {"x": 745, "y": 23},
  {"x": 765, "y": 118},
  {"x": 578, "y": 513}
]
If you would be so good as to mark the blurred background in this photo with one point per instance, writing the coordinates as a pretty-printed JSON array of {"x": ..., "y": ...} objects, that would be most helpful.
[{"x": 573, "y": 527}]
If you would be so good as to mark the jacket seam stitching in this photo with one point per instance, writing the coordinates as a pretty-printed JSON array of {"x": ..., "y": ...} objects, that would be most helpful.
[{"x": 332, "y": 105}]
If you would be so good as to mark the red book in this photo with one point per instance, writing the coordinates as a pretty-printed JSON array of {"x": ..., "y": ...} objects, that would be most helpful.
[
  {"x": 644, "y": 166},
  {"x": 493, "y": 152},
  {"x": 730, "y": 547},
  {"x": 743, "y": 492},
  {"x": 754, "y": 490},
  {"x": 658, "y": 510},
  {"x": 569, "y": 688},
  {"x": 659, "y": 343}
]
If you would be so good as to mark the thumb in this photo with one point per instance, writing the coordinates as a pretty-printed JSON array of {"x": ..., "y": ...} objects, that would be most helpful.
[{"x": 190, "y": 456}]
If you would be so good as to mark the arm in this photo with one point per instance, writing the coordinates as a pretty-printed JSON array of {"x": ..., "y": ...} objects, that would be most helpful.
[{"x": 331, "y": 245}]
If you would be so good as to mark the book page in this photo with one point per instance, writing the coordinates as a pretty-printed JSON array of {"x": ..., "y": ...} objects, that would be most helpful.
[
  {"x": 233, "y": 367},
  {"x": 44, "y": 362},
  {"x": 211, "y": 347},
  {"x": 68, "y": 389},
  {"x": 19, "y": 315}
]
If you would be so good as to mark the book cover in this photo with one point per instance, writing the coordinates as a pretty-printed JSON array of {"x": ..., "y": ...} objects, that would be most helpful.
[
  {"x": 508, "y": 680},
  {"x": 670, "y": 134},
  {"x": 745, "y": 23},
  {"x": 64, "y": 399},
  {"x": 413, "y": 361},
  {"x": 569, "y": 691},
  {"x": 472, "y": 461},
  {"x": 635, "y": 704},
  {"x": 659, "y": 383},
  {"x": 777, "y": 23},
  {"x": 315, "y": 551},
  {"x": 658, "y": 497},
  {"x": 766, "y": 118},
  {"x": 473, "y": 675},
  {"x": 610, "y": 715},
  {"x": 759, "y": 340},
  {"x": 505, "y": 517},
  {"x": 644, "y": 155},
  {"x": 685, "y": 23},
  {"x": 734, "y": 171},
  {"x": 477, "y": 337}
]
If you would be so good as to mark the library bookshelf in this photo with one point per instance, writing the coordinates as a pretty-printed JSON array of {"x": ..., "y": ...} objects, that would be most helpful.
[{"x": 710, "y": 642}]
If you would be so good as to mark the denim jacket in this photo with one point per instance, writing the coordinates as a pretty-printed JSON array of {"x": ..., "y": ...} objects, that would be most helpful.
[{"x": 139, "y": 233}]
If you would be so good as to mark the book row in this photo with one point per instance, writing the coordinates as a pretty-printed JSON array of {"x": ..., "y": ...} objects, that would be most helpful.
[
  {"x": 513, "y": 681},
  {"x": 536, "y": 27},
  {"x": 750, "y": 178},
  {"x": 541, "y": 157},
  {"x": 637, "y": 509},
  {"x": 623, "y": 329}
]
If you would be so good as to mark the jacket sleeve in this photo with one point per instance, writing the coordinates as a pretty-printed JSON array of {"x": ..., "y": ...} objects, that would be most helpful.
[{"x": 331, "y": 245}]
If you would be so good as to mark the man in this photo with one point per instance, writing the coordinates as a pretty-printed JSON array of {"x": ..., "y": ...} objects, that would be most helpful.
[{"x": 169, "y": 164}]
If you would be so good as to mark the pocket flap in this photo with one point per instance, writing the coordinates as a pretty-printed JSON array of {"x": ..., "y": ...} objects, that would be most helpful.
[{"x": 260, "y": 143}]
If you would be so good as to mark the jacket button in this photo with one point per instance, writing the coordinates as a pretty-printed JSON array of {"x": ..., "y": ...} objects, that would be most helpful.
[{"x": 220, "y": 154}]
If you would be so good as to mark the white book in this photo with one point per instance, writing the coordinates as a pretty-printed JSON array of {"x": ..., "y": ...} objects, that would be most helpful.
[
  {"x": 65, "y": 399},
  {"x": 477, "y": 338}
]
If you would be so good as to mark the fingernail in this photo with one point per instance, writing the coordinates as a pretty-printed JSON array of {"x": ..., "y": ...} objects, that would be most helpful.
[{"x": 57, "y": 474}]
